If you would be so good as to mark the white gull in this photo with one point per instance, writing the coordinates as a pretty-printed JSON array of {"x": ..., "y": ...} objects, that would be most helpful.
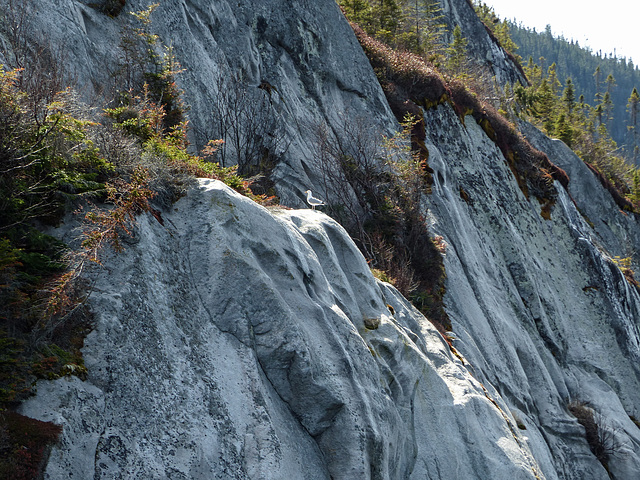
[{"x": 313, "y": 201}]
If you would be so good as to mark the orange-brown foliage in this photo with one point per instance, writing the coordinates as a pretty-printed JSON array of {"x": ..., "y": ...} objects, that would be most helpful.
[{"x": 409, "y": 82}]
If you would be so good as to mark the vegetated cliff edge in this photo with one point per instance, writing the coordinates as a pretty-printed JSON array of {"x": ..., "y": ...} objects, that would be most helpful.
[{"x": 233, "y": 343}]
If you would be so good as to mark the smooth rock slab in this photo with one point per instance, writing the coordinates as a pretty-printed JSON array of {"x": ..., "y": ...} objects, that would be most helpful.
[{"x": 233, "y": 344}]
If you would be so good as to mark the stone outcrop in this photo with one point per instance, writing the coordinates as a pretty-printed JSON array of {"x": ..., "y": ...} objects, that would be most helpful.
[{"x": 244, "y": 342}]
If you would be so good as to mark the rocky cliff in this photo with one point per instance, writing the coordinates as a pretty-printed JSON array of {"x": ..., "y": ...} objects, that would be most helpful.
[
  {"x": 539, "y": 309},
  {"x": 243, "y": 342}
]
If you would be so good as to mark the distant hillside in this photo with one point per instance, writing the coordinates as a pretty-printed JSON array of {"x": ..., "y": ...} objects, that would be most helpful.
[{"x": 580, "y": 64}]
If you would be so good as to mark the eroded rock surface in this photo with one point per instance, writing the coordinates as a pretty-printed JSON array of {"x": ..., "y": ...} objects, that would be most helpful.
[
  {"x": 539, "y": 308},
  {"x": 240, "y": 342},
  {"x": 233, "y": 344}
]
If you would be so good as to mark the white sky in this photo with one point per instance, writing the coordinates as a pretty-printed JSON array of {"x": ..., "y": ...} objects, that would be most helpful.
[{"x": 601, "y": 25}]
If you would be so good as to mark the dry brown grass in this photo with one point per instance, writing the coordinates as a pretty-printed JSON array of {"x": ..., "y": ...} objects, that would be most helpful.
[{"x": 409, "y": 82}]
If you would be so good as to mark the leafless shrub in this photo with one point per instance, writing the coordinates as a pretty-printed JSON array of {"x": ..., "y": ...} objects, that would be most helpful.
[
  {"x": 601, "y": 437},
  {"x": 397, "y": 266},
  {"x": 121, "y": 149},
  {"x": 16, "y": 25},
  {"x": 350, "y": 165},
  {"x": 249, "y": 120},
  {"x": 374, "y": 185},
  {"x": 483, "y": 83},
  {"x": 41, "y": 66}
]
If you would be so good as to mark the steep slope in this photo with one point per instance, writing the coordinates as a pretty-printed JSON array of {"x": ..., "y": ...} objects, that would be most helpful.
[
  {"x": 617, "y": 232},
  {"x": 538, "y": 308},
  {"x": 221, "y": 352},
  {"x": 234, "y": 343},
  {"x": 304, "y": 52}
]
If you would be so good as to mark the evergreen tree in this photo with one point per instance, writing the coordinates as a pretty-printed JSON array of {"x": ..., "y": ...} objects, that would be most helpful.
[
  {"x": 504, "y": 36},
  {"x": 607, "y": 101},
  {"x": 598, "y": 79},
  {"x": 611, "y": 83},
  {"x": 533, "y": 72},
  {"x": 633, "y": 105},
  {"x": 422, "y": 28},
  {"x": 412, "y": 37},
  {"x": 545, "y": 108},
  {"x": 563, "y": 130},
  {"x": 358, "y": 11},
  {"x": 386, "y": 16},
  {"x": 457, "y": 51},
  {"x": 435, "y": 28},
  {"x": 552, "y": 76},
  {"x": 607, "y": 107},
  {"x": 569, "y": 97},
  {"x": 598, "y": 114}
]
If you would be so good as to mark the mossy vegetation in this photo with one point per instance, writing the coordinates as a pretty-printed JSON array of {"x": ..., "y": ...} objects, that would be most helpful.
[
  {"x": 557, "y": 108},
  {"x": 411, "y": 83},
  {"x": 532, "y": 169}
]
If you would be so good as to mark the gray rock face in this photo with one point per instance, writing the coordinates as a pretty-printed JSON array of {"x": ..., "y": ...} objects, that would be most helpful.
[
  {"x": 241, "y": 342},
  {"x": 305, "y": 50},
  {"x": 617, "y": 232},
  {"x": 481, "y": 47},
  {"x": 539, "y": 309},
  {"x": 234, "y": 344}
]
